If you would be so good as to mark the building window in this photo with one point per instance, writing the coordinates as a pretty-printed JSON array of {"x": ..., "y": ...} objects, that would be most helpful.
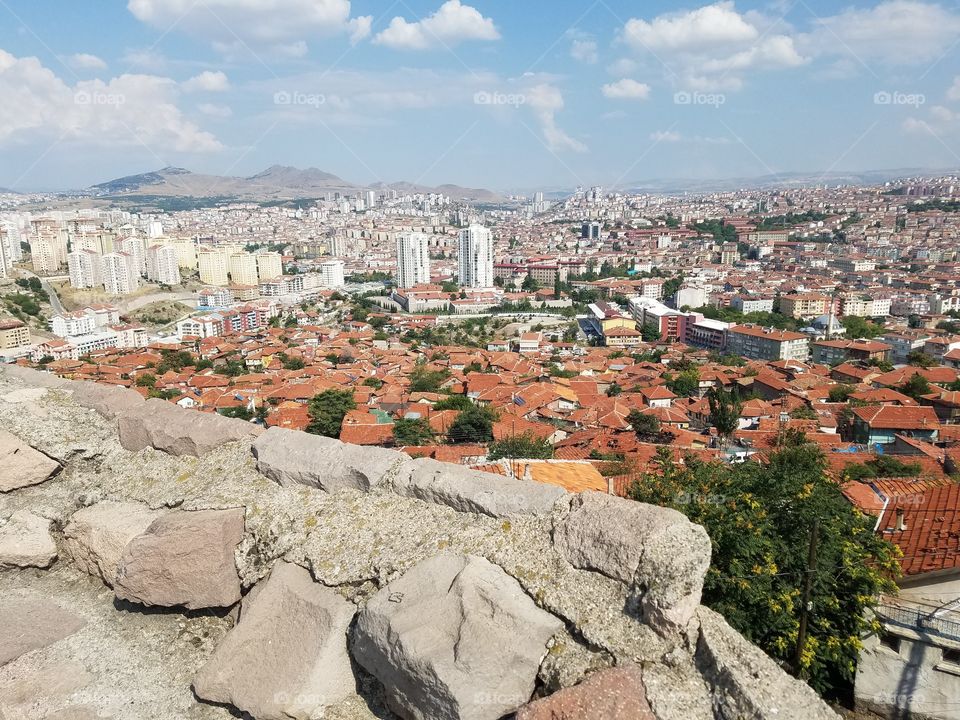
[
  {"x": 951, "y": 655},
  {"x": 891, "y": 642}
]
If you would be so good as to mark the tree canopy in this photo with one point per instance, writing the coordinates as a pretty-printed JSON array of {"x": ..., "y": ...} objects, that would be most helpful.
[
  {"x": 526, "y": 446},
  {"x": 327, "y": 411}
]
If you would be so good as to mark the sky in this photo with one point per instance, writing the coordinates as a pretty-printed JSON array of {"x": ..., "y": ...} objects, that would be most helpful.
[{"x": 511, "y": 96}]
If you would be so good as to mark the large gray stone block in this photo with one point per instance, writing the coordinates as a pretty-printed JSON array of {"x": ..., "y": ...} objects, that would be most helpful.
[
  {"x": 25, "y": 541},
  {"x": 33, "y": 378},
  {"x": 287, "y": 657},
  {"x": 291, "y": 457},
  {"x": 656, "y": 549},
  {"x": 473, "y": 491},
  {"x": 96, "y": 536},
  {"x": 183, "y": 559},
  {"x": 167, "y": 427},
  {"x": 109, "y": 401},
  {"x": 746, "y": 683},
  {"x": 22, "y": 466},
  {"x": 454, "y": 638}
]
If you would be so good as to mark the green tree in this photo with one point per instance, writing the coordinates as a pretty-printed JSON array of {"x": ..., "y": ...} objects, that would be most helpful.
[
  {"x": 524, "y": 446},
  {"x": 472, "y": 425},
  {"x": 412, "y": 431},
  {"x": 147, "y": 380},
  {"x": 614, "y": 389},
  {"x": 453, "y": 402},
  {"x": 919, "y": 358},
  {"x": 424, "y": 380},
  {"x": 803, "y": 412},
  {"x": 686, "y": 383},
  {"x": 725, "y": 411},
  {"x": 327, "y": 411},
  {"x": 916, "y": 387},
  {"x": 858, "y": 327},
  {"x": 646, "y": 427},
  {"x": 529, "y": 284},
  {"x": 841, "y": 393},
  {"x": 759, "y": 517}
]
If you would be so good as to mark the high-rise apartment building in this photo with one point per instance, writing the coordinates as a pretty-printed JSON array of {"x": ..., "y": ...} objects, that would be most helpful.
[
  {"x": 269, "y": 265},
  {"x": 476, "y": 257},
  {"x": 331, "y": 273},
  {"x": 243, "y": 268},
  {"x": 86, "y": 269},
  {"x": 413, "y": 259},
  {"x": 134, "y": 247},
  {"x": 163, "y": 264},
  {"x": 120, "y": 273},
  {"x": 213, "y": 267},
  {"x": 48, "y": 245}
]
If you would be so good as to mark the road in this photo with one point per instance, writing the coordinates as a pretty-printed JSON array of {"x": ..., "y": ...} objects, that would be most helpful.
[{"x": 51, "y": 293}]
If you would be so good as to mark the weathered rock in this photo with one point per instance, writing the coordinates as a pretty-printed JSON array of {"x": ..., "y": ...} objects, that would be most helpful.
[
  {"x": 287, "y": 658},
  {"x": 657, "y": 549},
  {"x": 296, "y": 458},
  {"x": 746, "y": 683},
  {"x": 31, "y": 622},
  {"x": 96, "y": 536},
  {"x": 34, "y": 378},
  {"x": 21, "y": 465},
  {"x": 25, "y": 541},
  {"x": 109, "y": 401},
  {"x": 473, "y": 491},
  {"x": 613, "y": 694},
  {"x": 164, "y": 426},
  {"x": 184, "y": 558},
  {"x": 455, "y": 637},
  {"x": 53, "y": 682}
]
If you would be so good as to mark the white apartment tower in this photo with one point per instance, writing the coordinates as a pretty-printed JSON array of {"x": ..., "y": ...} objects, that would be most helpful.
[
  {"x": 133, "y": 246},
  {"x": 163, "y": 265},
  {"x": 269, "y": 265},
  {"x": 331, "y": 273},
  {"x": 476, "y": 257},
  {"x": 120, "y": 275},
  {"x": 48, "y": 245},
  {"x": 86, "y": 269},
  {"x": 413, "y": 259},
  {"x": 243, "y": 268}
]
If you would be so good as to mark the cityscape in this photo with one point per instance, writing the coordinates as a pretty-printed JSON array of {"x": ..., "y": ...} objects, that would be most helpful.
[{"x": 588, "y": 420}]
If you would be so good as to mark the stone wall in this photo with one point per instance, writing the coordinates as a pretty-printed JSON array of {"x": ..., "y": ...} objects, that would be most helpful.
[{"x": 162, "y": 563}]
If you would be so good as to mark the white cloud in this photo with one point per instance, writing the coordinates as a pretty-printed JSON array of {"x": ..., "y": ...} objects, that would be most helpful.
[
  {"x": 666, "y": 136},
  {"x": 214, "y": 110},
  {"x": 672, "y": 136},
  {"x": 584, "y": 50},
  {"x": 714, "y": 46},
  {"x": 626, "y": 89},
  {"x": 622, "y": 67},
  {"x": 280, "y": 26},
  {"x": 954, "y": 92},
  {"x": 86, "y": 61},
  {"x": 941, "y": 120},
  {"x": 207, "y": 81},
  {"x": 896, "y": 32},
  {"x": 546, "y": 101},
  {"x": 360, "y": 28},
  {"x": 452, "y": 23},
  {"x": 129, "y": 110}
]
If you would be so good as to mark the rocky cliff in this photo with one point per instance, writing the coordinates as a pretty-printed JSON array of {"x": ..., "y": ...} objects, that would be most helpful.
[{"x": 162, "y": 563}]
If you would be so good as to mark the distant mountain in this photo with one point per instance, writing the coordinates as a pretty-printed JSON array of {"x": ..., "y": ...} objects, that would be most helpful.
[{"x": 277, "y": 182}]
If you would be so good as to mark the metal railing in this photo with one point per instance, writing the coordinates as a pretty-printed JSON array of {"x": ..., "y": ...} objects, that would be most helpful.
[{"x": 920, "y": 617}]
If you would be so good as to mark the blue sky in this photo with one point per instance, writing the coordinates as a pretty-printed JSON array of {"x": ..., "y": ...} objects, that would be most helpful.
[{"x": 505, "y": 95}]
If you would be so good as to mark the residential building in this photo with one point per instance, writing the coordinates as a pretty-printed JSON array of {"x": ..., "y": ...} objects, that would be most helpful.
[
  {"x": 134, "y": 247},
  {"x": 690, "y": 296},
  {"x": 668, "y": 324},
  {"x": 706, "y": 333},
  {"x": 72, "y": 323},
  {"x": 834, "y": 352},
  {"x": 163, "y": 265},
  {"x": 331, "y": 274},
  {"x": 243, "y": 268},
  {"x": 269, "y": 266},
  {"x": 48, "y": 245},
  {"x": 767, "y": 343},
  {"x": 13, "y": 334},
  {"x": 413, "y": 259},
  {"x": 201, "y": 326},
  {"x": 475, "y": 257},
  {"x": 210, "y": 298},
  {"x": 120, "y": 274},
  {"x": 805, "y": 305},
  {"x": 86, "y": 269},
  {"x": 213, "y": 267},
  {"x": 880, "y": 424},
  {"x": 751, "y": 304}
]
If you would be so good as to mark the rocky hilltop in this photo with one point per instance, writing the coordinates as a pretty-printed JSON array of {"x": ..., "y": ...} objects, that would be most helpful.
[{"x": 163, "y": 563}]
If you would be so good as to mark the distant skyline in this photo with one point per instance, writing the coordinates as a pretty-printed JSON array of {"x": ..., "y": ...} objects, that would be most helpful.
[{"x": 477, "y": 93}]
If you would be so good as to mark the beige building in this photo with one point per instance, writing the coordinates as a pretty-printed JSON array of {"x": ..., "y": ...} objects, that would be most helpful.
[
  {"x": 13, "y": 334},
  {"x": 269, "y": 265},
  {"x": 805, "y": 305},
  {"x": 213, "y": 267},
  {"x": 48, "y": 246},
  {"x": 243, "y": 268}
]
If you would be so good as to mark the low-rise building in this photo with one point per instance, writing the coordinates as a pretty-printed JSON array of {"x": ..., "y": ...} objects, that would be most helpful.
[{"x": 767, "y": 343}]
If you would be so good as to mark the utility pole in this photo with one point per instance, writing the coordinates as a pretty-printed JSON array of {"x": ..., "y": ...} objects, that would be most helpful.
[{"x": 807, "y": 591}]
